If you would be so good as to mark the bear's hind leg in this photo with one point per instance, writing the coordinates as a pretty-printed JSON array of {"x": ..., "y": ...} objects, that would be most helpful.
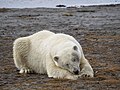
[{"x": 20, "y": 52}]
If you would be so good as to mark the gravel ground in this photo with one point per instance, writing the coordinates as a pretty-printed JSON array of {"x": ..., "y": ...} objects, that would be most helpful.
[{"x": 97, "y": 29}]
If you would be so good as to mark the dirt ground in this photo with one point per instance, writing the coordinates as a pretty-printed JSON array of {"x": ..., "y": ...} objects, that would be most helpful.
[{"x": 97, "y": 29}]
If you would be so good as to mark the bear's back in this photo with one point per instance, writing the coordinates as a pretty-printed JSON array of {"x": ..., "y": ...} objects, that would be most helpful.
[
  {"x": 61, "y": 38},
  {"x": 41, "y": 35}
]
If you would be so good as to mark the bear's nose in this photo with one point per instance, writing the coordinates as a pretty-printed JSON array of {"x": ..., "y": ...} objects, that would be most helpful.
[{"x": 76, "y": 72}]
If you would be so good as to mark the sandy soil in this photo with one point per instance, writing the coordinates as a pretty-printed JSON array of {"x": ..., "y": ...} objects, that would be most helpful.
[{"x": 97, "y": 28}]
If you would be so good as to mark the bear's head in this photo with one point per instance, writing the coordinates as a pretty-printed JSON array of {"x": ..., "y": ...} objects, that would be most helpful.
[{"x": 68, "y": 59}]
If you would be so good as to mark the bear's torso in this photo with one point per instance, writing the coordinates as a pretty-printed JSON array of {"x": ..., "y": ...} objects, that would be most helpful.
[{"x": 42, "y": 44}]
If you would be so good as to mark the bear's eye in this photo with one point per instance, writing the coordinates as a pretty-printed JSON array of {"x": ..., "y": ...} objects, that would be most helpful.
[
  {"x": 67, "y": 65},
  {"x": 74, "y": 60}
]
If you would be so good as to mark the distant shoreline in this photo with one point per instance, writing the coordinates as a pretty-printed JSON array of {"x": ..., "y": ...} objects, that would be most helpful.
[{"x": 104, "y": 5}]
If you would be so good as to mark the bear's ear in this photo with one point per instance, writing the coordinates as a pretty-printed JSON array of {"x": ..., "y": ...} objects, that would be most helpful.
[
  {"x": 56, "y": 58},
  {"x": 75, "y": 48}
]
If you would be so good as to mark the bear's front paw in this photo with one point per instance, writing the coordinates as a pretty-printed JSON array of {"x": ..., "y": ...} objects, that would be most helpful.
[
  {"x": 74, "y": 77},
  {"x": 86, "y": 74},
  {"x": 71, "y": 77}
]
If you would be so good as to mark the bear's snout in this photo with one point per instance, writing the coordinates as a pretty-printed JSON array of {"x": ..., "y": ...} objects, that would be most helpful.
[{"x": 76, "y": 72}]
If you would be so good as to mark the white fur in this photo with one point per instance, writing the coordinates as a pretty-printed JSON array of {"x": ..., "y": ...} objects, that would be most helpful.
[{"x": 36, "y": 53}]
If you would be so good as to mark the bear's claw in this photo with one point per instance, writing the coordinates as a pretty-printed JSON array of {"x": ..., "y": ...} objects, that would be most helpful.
[
  {"x": 26, "y": 70},
  {"x": 85, "y": 75}
]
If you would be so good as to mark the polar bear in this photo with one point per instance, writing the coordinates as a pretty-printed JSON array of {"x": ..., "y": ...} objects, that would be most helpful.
[{"x": 57, "y": 55}]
